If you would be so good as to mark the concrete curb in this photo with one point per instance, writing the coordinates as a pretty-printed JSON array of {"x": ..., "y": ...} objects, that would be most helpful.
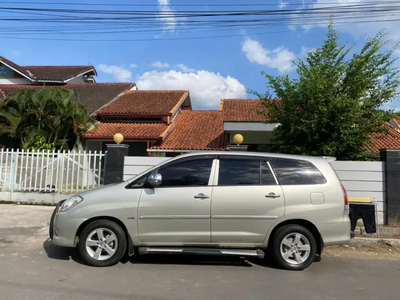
[{"x": 371, "y": 241}]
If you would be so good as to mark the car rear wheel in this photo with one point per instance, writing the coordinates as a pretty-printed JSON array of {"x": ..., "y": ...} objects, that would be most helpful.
[
  {"x": 294, "y": 247},
  {"x": 102, "y": 243}
]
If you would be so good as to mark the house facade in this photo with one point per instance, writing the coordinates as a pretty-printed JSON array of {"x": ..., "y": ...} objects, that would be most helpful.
[
  {"x": 158, "y": 123},
  {"x": 14, "y": 74},
  {"x": 144, "y": 118},
  {"x": 214, "y": 130}
]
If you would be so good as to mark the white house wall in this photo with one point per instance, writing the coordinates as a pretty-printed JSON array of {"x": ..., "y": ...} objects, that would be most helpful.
[{"x": 15, "y": 81}]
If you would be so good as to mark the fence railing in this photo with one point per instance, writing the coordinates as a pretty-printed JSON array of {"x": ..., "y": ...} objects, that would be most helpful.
[{"x": 50, "y": 171}]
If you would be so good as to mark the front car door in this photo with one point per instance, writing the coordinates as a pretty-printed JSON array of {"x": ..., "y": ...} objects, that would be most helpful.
[
  {"x": 246, "y": 202},
  {"x": 178, "y": 211}
]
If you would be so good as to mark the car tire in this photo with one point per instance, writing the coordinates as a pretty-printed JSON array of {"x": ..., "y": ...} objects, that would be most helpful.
[
  {"x": 102, "y": 243},
  {"x": 294, "y": 247}
]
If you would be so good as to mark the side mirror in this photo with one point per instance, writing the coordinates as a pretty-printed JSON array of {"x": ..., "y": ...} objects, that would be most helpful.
[{"x": 155, "y": 179}]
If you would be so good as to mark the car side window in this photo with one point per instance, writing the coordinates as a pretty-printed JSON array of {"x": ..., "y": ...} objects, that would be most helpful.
[
  {"x": 193, "y": 172},
  {"x": 244, "y": 171},
  {"x": 296, "y": 172},
  {"x": 138, "y": 183}
]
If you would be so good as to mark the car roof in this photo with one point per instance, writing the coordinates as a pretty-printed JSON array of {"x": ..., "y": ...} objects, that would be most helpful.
[{"x": 260, "y": 154}]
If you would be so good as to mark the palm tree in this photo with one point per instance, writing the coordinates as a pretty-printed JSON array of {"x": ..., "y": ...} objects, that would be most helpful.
[{"x": 50, "y": 115}]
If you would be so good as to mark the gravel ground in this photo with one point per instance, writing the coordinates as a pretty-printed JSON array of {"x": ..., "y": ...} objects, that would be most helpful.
[{"x": 381, "y": 252}]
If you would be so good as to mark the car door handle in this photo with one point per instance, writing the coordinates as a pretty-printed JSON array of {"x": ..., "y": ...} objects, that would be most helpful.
[
  {"x": 272, "y": 195},
  {"x": 201, "y": 196}
]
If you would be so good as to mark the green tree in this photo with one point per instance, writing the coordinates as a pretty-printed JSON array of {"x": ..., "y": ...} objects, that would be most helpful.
[
  {"x": 44, "y": 118},
  {"x": 335, "y": 105}
]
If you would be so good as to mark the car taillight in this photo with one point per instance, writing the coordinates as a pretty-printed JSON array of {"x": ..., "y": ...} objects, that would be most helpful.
[
  {"x": 346, "y": 201},
  {"x": 346, "y": 198}
]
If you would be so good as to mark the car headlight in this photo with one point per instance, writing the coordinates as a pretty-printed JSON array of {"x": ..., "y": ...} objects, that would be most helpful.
[{"x": 71, "y": 202}]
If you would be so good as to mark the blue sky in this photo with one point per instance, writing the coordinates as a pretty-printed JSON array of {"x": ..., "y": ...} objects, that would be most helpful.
[{"x": 223, "y": 65}]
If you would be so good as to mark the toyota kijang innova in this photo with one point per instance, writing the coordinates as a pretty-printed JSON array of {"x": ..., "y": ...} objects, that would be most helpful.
[{"x": 216, "y": 203}]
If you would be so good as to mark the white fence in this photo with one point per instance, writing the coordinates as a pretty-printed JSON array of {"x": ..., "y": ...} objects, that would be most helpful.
[
  {"x": 49, "y": 172},
  {"x": 361, "y": 179}
]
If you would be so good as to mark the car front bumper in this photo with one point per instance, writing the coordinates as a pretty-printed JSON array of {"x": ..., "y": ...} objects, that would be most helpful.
[{"x": 65, "y": 229}]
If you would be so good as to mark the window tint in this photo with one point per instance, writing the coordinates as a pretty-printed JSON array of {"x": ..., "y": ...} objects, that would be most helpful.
[
  {"x": 292, "y": 172},
  {"x": 244, "y": 171},
  {"x": 266, "y": 174},
  {"x": 138, "y": 183},
  {"x": 194, "y": 172}
]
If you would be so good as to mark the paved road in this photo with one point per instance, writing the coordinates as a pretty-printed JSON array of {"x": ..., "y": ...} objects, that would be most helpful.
[{"x": 32, "y": 268}]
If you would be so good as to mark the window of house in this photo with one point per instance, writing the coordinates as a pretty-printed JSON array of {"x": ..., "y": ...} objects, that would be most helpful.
[
  {"x": 296, "y": 172},
  {"x": 244, "y": 171},
  {"x": 193, "y": 172},
  {"x": 6, "y": 72}
]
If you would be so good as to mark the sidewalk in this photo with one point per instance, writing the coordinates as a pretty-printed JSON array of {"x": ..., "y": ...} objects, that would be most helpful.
[
  {"x": 375, "y": 241},
  {"x": 385, "y": 236}
]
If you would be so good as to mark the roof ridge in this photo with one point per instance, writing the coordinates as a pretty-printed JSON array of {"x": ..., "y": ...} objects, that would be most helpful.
[
  {"x": 67, "y": 85},
  {"x": 59, "y": 66},
  {"x": 136, "y": 123},
  {"x": 159, "y": 91}
]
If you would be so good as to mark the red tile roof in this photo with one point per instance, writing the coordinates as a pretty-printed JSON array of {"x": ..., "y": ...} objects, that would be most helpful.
[
  {"x": 241, "y": 110},
  {"x": 397, "y": 122},
  {"x": 391, "y": 140},
  {"x": 196, "y": 130},
  {"x": 156, "y": 103},
  {"x": 92, "y": 95},
  {"x": 130, "y": 131},
  {"x": 58, "y": 73}
]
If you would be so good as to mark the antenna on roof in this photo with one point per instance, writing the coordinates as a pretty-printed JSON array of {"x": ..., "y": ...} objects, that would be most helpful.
[{"x": 30, "y": 73}]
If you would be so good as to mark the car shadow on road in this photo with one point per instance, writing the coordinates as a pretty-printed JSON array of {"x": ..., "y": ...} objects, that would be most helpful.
[
  {"x": 199, "y": 260},
  {"x": 62, "y": 253},
  {"x": 175, "y": 259}
]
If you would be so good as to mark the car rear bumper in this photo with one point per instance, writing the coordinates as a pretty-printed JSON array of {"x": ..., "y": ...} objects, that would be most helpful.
[{"x": 336, "y": 234}]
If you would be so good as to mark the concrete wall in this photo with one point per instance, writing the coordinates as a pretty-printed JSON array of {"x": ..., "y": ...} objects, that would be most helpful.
[
  {"x": 34, "y": 198},
  {"x": 364, "y": 180},
  {"x": 250, "y": 137},
  {"x": 135, "y": 165}
]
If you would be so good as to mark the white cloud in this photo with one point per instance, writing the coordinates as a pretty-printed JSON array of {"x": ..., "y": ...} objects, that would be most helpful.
[
  {"x": 379, "y": 19},
  {"x": 167, "y": 15},
  {"x": 16, "y": 53},
  {"x": 184, "y": 68},
  {"x": 159, "y": 64},
  {"x": 119, "y": 73},
  {"x": 280, "y": 58},
  {"x": 133, "y": 66},
  {"x": 206, "y": 88},
  {"x": 283, "y": 4},
  {"x": 305, "y": 50}
]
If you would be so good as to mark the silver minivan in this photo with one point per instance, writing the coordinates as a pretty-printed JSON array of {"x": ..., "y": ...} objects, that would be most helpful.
[{"x": 211, "y": 203}]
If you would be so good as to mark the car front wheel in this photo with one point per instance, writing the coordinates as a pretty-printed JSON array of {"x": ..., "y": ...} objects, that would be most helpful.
[
  {"x": 102, "y": 243},
  {"x": 294, "y": 247}
]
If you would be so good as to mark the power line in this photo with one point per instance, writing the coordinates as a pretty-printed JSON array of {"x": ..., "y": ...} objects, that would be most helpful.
[
  {"x": 176, "y": 5},
  {"x": 67, "y": 21}
]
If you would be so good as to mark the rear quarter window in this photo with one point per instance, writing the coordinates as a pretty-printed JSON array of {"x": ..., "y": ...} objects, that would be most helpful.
[{"x": 296, "y": 172}]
